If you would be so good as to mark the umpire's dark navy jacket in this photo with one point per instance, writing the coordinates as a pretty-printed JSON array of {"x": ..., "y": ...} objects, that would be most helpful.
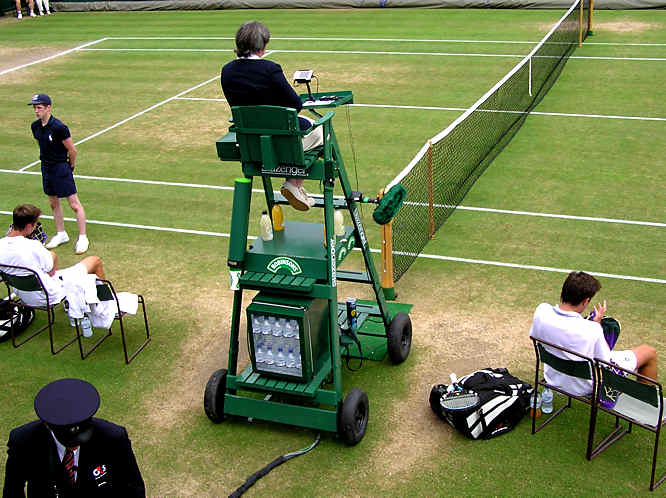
[
  {"x": 107, "y": 466},
  {"x": 259, "y": 82}
]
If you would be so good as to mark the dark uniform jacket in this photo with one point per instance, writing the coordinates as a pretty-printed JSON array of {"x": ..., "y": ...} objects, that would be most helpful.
[
  {"x": 259, "y": 82},
  {"x": 107, "y": 466}
]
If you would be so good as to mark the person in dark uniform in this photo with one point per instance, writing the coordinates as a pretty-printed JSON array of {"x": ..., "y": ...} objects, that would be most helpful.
[
  {"x": 68, "y": 452},
  {"x": 58, "y": 155},
  {"x": 252, "y": 80}
]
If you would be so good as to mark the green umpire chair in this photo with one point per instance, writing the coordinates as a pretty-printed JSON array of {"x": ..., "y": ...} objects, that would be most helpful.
[{"x": 640, "y": 402}]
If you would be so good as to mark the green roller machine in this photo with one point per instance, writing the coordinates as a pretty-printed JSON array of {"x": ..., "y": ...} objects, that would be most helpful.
[{"x": 297, "y": 332}]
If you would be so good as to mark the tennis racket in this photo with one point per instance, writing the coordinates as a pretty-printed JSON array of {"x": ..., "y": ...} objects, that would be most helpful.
[
  {"x": 458, "y": 398},
  {"x": 37, "y": 234}
]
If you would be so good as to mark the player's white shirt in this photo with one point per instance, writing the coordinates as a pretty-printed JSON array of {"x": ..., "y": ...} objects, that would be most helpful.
[
  {"x": 19, "y": 251},
  {"x": 570, "y": 330}
]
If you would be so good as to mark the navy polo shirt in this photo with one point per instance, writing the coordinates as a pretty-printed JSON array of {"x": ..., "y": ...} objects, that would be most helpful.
[{"x": 50, "y": 137}]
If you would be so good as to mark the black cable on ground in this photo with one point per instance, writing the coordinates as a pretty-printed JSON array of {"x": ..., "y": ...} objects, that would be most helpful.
[{"x": 278, "y": 461}]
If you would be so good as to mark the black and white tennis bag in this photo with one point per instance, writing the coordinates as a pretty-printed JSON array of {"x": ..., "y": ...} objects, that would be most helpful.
[
  {"x": 11, "y": 313},
  {"x": 503, "y": 401}
]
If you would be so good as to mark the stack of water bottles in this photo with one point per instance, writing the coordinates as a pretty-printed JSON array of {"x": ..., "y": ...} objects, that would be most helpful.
[{"x": 277, "y": 346}]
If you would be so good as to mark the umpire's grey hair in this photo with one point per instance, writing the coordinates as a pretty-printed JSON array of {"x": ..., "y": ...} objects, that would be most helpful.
[{"x": 251, "y": 38}]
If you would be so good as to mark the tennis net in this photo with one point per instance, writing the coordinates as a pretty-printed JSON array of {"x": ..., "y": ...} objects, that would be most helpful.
[{"x": 446, "y": 167}]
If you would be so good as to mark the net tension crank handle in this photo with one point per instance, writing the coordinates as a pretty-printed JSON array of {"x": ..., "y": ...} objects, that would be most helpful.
[{"x": 359, "y": 197}]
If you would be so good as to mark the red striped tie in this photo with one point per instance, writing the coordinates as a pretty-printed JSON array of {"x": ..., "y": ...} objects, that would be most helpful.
[{"x": 68, "y": 462}]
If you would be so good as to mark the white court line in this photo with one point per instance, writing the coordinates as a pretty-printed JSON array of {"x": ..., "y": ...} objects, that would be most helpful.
[
  {"x": 80, "y": 47},
  {"x": 371, "y": 52},
  {"x": 534, "y": 267},
  {"x": 261, "y": 191},
  {"x": 202, "y": 99},
  {"x": 425, "y": 256},
  {"x": 133, "y": 116},
  {"x": 275, "y": 51},
  {"x": 411, "y": 40},
  {"x": 436, "y": 108},
  {"x": 157, "y": 50}
]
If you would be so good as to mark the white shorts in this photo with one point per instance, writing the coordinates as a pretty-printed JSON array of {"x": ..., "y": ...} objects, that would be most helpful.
[
  {"x": 78, "y": 270},
  {"x": 625, "y": 359},
  {"x": 313, "y": 139}
]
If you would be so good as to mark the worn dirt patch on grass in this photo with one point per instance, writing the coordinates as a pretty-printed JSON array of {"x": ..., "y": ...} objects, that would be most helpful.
[
  {"x": 624, "y": 26},
  {"x": 445, "y": 339},
  {"x": 11, "y": 57},
  {"x": 205, "y": 350}
]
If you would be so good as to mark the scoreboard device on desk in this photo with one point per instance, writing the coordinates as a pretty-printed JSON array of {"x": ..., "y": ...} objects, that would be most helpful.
[{"x": 296, "y": 328}]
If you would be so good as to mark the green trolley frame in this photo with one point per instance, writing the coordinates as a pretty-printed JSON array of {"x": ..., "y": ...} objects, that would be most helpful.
[{"x": 296, "y": 276}]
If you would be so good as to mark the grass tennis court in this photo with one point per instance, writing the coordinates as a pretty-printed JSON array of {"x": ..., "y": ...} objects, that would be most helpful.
[{"x": 147, "y": 92}]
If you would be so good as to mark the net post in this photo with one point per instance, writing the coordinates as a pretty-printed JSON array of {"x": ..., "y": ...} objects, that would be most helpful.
[
  {"x": 580, "y": 23},
  {"x": 431, "y": 196},
  {"x": 387, "y": 282},
  {"x": 590, "y": 16}
]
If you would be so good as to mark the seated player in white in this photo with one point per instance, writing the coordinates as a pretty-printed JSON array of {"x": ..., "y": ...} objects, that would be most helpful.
[
  {"x": 565, "y": 326},
  {"x": 18, "y": 250}
]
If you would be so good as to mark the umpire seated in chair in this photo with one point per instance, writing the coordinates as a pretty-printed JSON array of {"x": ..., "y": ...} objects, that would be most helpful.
[{"x": 67, "y": 452}]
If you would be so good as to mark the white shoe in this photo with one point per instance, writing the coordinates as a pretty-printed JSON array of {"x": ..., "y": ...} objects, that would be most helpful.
[
  {"x": 295, "y": 196},
  {"x": 32, "y": 14},
  {"x": 311, "y": 201},
  {"x": 19, "y": 16},
  {"x": 81, "y": 244},
  {"x": 48, "y": 12},
  {"x": 41, "y": 13},
  {"x": 57, "y": 239}
]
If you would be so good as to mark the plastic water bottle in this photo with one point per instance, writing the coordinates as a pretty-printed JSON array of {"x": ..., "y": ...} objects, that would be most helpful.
[
  {"x": 266, "y": 331},
  {"x": 86, "y": 327},
  {"x": 258, "y": 352},
  {"x": 266, "y": 226},
  {"x": 268, "y": 357},
  {"x": 291, "y": 359},
  {"x": 535, "y": 404},
  {"x": 256, "y": 328},
  {"x": 546, "y": 400},
  {"x": 280, "y": 358},
  {"x": 338, "y": 223},
  {"x": 278, "y": 218},
  {"x": 72, "y": 322}
]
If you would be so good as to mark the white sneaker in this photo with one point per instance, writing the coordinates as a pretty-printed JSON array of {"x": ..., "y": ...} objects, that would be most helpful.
[
  {"x": 311, "y": 201},
  {"x": 32, "y": 14},
  {"x": 81, "y": 244},
  {"x": 295, "y": 196},
  {"x": 57, "y": 239},
  {"x": 48, "y": 12},
  {"x": 19, "y": 16}
]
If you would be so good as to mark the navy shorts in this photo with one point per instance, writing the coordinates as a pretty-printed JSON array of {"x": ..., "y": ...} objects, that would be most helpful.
[{"x": 58, "y": 180}]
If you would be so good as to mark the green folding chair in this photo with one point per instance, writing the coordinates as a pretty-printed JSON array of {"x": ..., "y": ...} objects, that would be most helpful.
[
  {"x": 582, "y": 367},
  {"x": 29, "y": 281},
  {"x": 106, "y": 292},
  {"x": 640, "y": 402}
]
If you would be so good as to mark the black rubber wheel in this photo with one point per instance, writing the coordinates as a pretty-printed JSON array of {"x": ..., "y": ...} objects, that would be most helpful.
[
  {"x": 399, "y": 338},
  {"x": 354, "y": 417},
  {"x": 214, "y": 396}
]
